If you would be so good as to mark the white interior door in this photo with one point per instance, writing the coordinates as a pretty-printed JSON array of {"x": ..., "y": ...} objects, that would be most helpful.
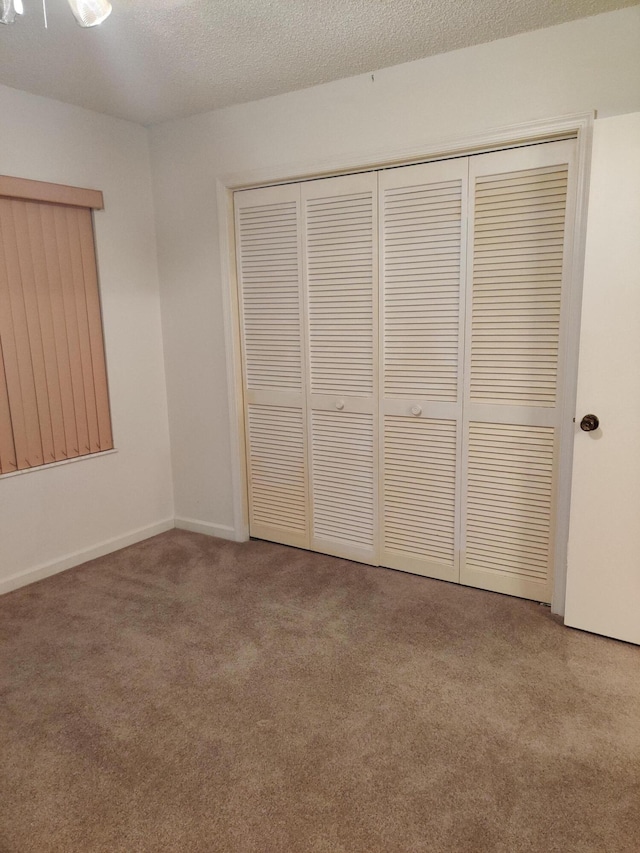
[
  {"x": 423, "y": 213},
  {"x": 341, "y": 280},
  {"x": 270, "y": 295},
  {"x": 603, "y": 573},
  {"x": 518, "y": 247}
]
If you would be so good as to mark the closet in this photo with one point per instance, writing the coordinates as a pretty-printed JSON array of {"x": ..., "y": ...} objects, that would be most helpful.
[{"x": 401, "y": 336}]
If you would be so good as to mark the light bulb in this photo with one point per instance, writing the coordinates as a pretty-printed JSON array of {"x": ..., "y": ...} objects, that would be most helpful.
[{"x": 90, "y": 13}]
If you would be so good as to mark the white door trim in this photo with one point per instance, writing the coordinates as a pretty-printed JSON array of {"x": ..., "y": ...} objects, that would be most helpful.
[{"x": 578, "y": 126}]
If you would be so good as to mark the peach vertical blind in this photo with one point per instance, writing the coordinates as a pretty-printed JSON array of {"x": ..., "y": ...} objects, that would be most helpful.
[{"x": 54, "y": 401}]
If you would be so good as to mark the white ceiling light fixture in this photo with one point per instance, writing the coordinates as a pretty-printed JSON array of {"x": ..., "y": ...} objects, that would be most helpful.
[
  {"x": 9, "y": 9},
  {"x": 88, "y": 13}
]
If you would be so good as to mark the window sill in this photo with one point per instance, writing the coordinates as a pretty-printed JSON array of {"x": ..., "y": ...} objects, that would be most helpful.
[{"x": 57, "y": 464}]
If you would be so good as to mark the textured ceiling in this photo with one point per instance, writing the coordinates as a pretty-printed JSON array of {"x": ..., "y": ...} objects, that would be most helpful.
[{"x": 158, "y": 59}]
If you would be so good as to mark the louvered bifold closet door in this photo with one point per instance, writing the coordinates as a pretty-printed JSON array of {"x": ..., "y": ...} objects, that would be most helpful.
[
  {"x": 340, "y": 241},
  {"x": 270, "y": 291},
  {"x": 518, "y": 249},
  {"x": 423, "y": 213}
]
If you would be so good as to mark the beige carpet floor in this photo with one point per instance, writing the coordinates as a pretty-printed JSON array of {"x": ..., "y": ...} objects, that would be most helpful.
[{"x": 189, "y": 694}]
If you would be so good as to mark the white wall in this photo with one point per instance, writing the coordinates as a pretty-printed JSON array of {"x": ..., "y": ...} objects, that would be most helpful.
[
  {"x": 603, "y": 583},
  {"x": 57, "y": 516},
  {"x": 589, "y": 64}
]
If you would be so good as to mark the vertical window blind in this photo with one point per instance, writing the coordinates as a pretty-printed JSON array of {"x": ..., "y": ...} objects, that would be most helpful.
[{"x": 54, "y": 402}]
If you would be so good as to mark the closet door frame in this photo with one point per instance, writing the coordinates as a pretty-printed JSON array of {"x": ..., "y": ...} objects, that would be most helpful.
[{"x": 576, "y": 126}]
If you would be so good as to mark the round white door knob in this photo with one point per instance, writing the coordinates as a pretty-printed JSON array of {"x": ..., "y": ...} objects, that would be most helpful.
[
  {"x": 340, "y": 405},
  {"x": 416, "y": 410}
]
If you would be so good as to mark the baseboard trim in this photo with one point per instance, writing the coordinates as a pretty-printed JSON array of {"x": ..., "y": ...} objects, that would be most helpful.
[
  {"x": 222, "y": 531},
  {"x": 79, "y": 557}
]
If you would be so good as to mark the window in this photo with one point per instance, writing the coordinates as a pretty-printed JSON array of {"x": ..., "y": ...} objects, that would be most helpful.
[{"x": 54, "y": 402}]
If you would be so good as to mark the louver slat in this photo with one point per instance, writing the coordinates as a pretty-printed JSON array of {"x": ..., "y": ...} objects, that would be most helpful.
[
  {"x": 340, "y": 260},
  {"x": 277, "y": 494},
  {"x": 517, "y": 281},
  {"x": 343, "y": 482},
  {"x": 508, "y": 538},
  {"x": 421, "y": 284},
  {"x": 269, "y": 267},
  {"x": 419, "y": 515}
]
